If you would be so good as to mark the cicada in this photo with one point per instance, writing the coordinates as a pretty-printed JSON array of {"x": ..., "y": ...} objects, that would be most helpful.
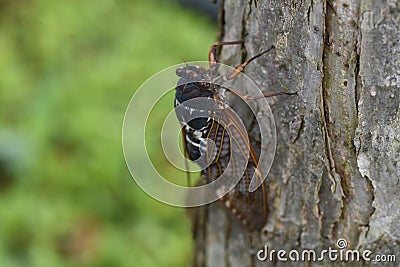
[{"x": 217, "y": 123}]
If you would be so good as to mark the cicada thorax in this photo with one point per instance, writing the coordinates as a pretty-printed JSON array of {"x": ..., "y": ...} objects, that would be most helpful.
[{"x": 216, "y": 141}]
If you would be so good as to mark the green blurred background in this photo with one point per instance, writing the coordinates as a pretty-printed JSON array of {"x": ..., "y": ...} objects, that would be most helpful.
[{"x": 67, "y": 72}]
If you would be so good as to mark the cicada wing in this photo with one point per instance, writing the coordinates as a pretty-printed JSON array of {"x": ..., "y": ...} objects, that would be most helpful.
[{"x": 234, "y": 152}]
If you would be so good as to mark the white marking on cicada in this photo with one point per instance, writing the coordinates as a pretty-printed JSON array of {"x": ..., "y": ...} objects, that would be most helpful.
[
  {"x": 191, "y": 142},
  {"x": 197, "y": 134}
]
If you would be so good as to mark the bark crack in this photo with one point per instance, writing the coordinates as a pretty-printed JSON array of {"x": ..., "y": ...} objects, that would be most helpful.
[
  {"x": 341, "y": 83},
  {"x": 357, "y": 88},
  {"x": 324, "y": 95},
  {"x": 325, "y": 116}
]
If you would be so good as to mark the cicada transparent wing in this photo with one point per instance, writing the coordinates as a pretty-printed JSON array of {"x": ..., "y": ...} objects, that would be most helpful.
[{"x": 232, "y": 144}]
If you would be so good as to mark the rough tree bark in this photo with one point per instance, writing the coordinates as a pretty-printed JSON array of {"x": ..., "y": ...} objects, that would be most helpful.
[{"x": 336, "y": 172}]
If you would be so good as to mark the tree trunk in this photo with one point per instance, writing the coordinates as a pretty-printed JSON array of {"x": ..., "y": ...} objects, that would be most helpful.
[{"x": 336, "y": 172}]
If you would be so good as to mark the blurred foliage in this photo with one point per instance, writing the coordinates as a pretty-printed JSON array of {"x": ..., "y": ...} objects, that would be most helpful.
[{"x": 67, "y": 72}]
